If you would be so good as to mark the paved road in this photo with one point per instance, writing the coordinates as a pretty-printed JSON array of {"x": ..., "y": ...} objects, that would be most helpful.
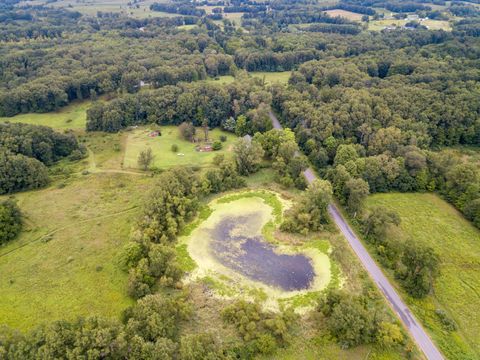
[{"x": 396, "y": 303}]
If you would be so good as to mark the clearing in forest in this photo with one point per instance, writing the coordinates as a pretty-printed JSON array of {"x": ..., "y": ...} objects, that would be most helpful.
[
  {"x": 427, "y": 219},
  {"x": 345, "y": 14},
  {"x": 72, "y": 116},
  {"x": 185, "y": 155}
]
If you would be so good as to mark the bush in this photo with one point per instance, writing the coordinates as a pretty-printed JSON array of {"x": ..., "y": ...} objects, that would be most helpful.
[
  {"x": 223, "y": 138},
  {"x": 217, "y": 145},
  {"x": 174, "y": 148},
  {"x": 10, "y": 221}
]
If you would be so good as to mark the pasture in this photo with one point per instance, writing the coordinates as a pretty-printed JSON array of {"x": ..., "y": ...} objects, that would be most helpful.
[
  {"x": 345, "y": 14},
  {"x": 72, "y": 116},
  {"x": 186, "y": 155},
  {"x": 65, "y": 262},
  {"x": 428, "y": 219},
  {"x": 124, "y": 7},
  {"x": 378, "y": 25}
]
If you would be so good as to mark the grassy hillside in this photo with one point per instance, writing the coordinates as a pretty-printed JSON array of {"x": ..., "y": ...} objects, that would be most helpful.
[
  {"x": 428, "y": 219},
  {"x": 73, "y": 116}
]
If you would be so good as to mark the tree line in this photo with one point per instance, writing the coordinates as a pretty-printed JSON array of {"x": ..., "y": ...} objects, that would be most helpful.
[{"x": 183, "y": 103}]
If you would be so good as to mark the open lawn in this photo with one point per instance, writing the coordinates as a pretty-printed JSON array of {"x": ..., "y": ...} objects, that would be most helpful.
[
  {"x": 345, "y": 14},
  {"x": 428, "y": 219},
  {"x": 72, "y": 116},
  {"x": 65, "y": 263},
  {"x": 186, "y": 155},
  {"x": 378, "y": 25}
]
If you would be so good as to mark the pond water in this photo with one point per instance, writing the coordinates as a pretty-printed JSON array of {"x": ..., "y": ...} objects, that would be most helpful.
[
  {"x": 252, "y": 257},
  {"x": 230, "y": 245}
]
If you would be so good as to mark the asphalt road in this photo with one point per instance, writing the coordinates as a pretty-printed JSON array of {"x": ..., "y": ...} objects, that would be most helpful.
[{"x": 398, "y": 306}]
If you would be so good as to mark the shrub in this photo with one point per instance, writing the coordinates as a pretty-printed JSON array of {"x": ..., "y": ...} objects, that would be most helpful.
[
  {"x": 217, "y": 145},
  {"x": 10, "y": 220},
  {"x": 174, "y": 148},
  {"x": 223, "y": 138}
]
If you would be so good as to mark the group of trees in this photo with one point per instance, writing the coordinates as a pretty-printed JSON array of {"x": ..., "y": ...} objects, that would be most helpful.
[
  {"x": 194, "y": 103},
  {"x": 26, "y": 151},
  {"x": 357, "y": 319},
  {"x": 281, "y": 148},
  {"x": 415, "y": 265}
]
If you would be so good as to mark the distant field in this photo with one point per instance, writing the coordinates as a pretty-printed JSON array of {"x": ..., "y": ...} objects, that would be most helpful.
[
  {"x": 269, "y": 77},
  {"x": 273, "y": 77},
  {"x": 91, "y": 7},
  {"x": 378, "y": 25},
  {"x": 346, "y": 14},
  {"x": 428, "y": 219},
  {"x": 139, "y": 140},
  {"x": 72, "y": 116},
  {"x": 65, "y": 263}
]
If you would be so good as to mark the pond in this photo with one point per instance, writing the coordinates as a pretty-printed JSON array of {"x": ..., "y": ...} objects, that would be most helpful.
[
  {"x": 230, "y": 244},
  {"x": 252, "y": 257}
]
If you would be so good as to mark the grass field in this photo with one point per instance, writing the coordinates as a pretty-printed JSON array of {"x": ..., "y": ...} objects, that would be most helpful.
[
  {"x": 429, "y": 220},
  {"x": 139, "y": 140},
  {"x": 91, "y": 7},
  {"x": 64, "y": 264},
  {"x": 378, "y": 25},
  {"x": 270, "y": 78},
  {"x": 72, "y": 116},
  {"x": 345, "y": 14}
]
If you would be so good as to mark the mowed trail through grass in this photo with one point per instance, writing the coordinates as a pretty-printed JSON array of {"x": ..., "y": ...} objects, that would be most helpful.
[
  {"x": 74, "y": 270},
  {"x": 429, "y": 220},
  {"x": 73, "y": 116},
  {"x": 161, "y": 146}
]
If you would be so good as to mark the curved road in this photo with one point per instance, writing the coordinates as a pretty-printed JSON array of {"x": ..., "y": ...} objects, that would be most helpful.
[{"x": 398, "y": 306}]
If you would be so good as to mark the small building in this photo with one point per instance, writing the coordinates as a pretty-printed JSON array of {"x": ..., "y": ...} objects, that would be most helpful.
[{"x": 248, "y": 138}]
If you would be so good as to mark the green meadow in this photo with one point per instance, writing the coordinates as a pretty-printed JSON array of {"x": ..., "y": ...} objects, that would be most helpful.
[
  {"x": 161, "y": 146},
  {"x": 427, "y": 219}
]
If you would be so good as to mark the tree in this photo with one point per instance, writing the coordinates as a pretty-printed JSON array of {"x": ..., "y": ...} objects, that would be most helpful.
[
  {"x": 377, "y": 221},
  {"x": 310, "y": 214},
  {"x": 145, "y": 159},
  {"x": 355, "y": 192},
  {"x": 248, "y": 156},
  {"x": 421, "y": 266},
  {"x": 389, "y": 334},
  {"x": 10, "y": 220},
  {"x": 345, "y": 153},
  {"x": 187, "y": 131},
  {"x": 348, "y": 319},
  {"x": 201, "y": 346}
]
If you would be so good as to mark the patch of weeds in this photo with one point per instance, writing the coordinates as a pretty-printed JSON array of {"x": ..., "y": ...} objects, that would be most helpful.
[
  {"x": 218, "y": 286},
  {"x": 258, "y": 294},
  {"x": 186, "y": 263},
  {"x": 302, "y": 300}
]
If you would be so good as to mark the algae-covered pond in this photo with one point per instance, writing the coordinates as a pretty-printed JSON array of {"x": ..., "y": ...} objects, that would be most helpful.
[{"x": 230, "y": 244}]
